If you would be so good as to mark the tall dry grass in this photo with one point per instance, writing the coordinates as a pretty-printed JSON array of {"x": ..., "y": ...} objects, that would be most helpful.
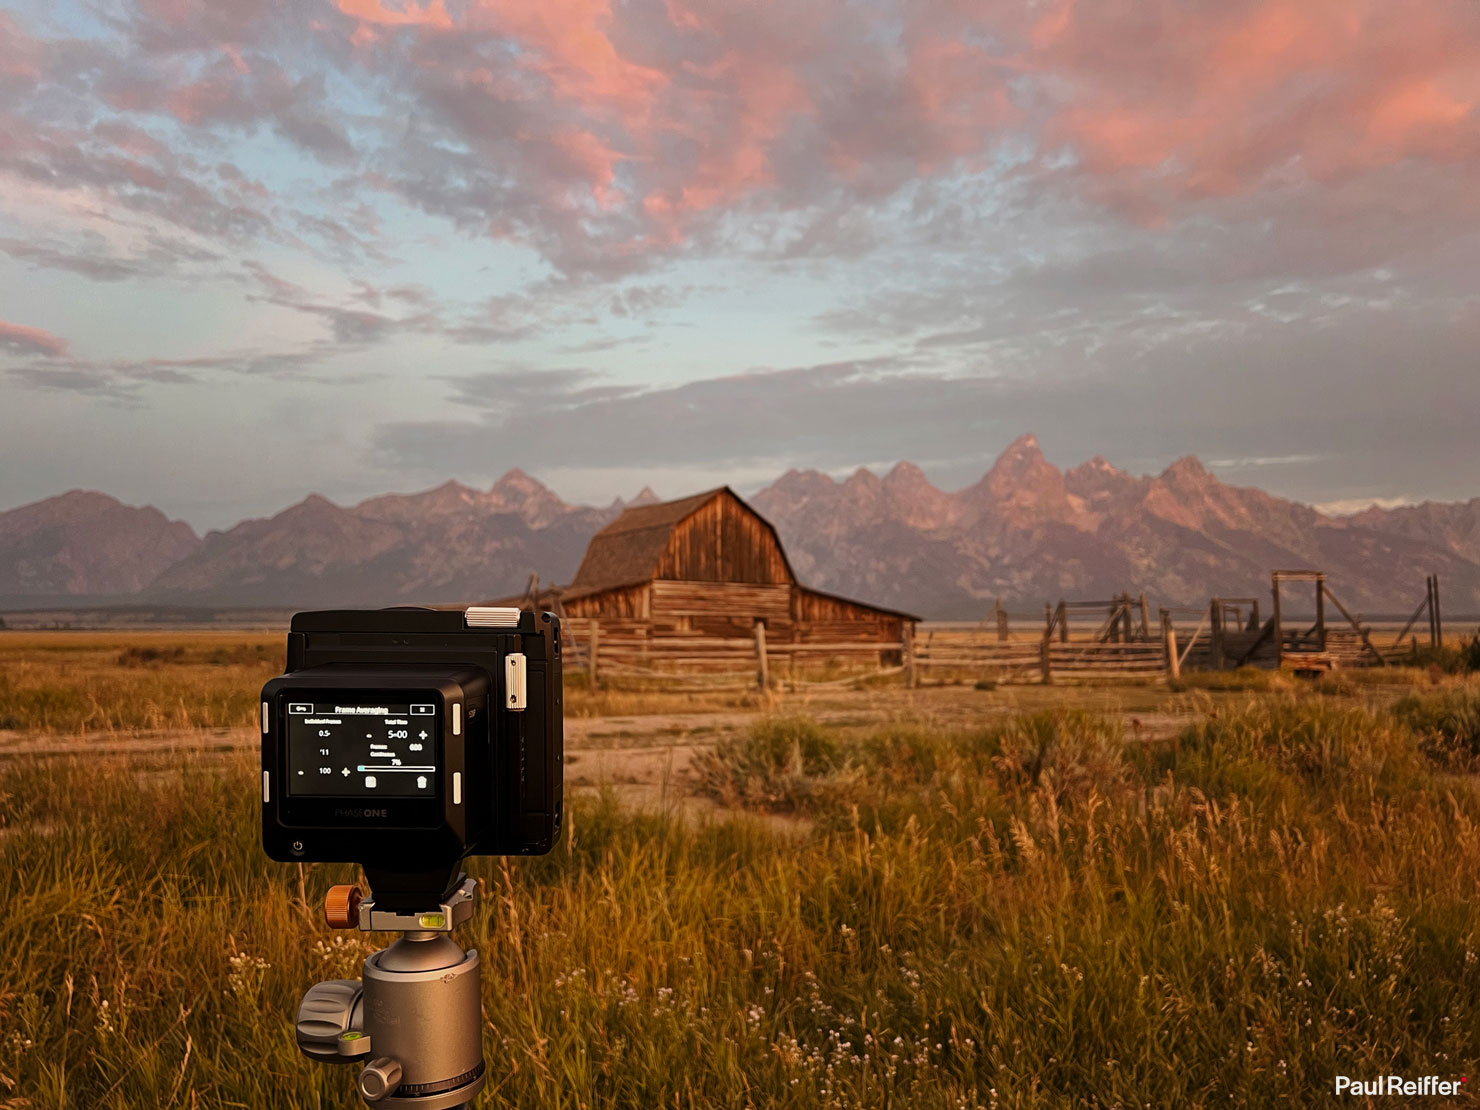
[
  {"x": 76, "y": 682},
  {"x": 58, "y": 683},
  {"x": 1034, "y": 914}
]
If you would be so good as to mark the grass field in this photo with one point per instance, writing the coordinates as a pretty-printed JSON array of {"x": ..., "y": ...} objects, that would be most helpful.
[
  {"x": 58, "y": 683},
  {"x": 1025, "y": 908}
]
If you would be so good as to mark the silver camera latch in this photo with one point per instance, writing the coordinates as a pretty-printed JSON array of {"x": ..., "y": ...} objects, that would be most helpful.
[{"x": 515, "y": 684}]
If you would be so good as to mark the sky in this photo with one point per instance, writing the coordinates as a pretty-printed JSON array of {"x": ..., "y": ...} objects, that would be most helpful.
[{"x": 256, "y": 249}]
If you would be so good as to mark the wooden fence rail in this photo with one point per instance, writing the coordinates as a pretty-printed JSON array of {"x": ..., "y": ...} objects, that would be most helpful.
[{"x": 938, "y": 652}]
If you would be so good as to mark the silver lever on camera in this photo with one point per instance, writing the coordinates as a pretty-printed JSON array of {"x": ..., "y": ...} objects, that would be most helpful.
[{"x": 415, "y": 1013}]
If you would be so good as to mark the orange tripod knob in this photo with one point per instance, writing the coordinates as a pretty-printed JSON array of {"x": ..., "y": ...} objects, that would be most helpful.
[{"x": 342, "y": 907}]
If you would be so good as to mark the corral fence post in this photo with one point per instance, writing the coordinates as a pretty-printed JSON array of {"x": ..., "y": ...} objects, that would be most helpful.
[
  {"x": 1045, "y": 660},
  {"x": 1436, "y": 616},
  {"x": 593, "y": 639},
  {"x": 1433, "y": 618},
  {"x": 1277, "y": 617},
  {"x": 1001, "y": 623},
  {"x": 1169, "y": 642},
  {"x": 907, "y": 653},
  {"x": 1321, "y": 610},
  {"x": 1215, "y": 632},
  {"x": 1063, "y": 618}
]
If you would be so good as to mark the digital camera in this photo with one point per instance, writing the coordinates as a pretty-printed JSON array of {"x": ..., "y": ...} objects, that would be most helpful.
[{"x": 405, "y": 739}]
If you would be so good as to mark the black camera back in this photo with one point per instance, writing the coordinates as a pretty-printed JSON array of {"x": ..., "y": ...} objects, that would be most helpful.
[{"x": 405, "y": 739}]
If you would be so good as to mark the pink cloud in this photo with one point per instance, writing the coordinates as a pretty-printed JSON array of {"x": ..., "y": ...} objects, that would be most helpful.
[
  {"x": 20, "y": 55},
  {"x": 20, "y": 339},
  {"x": 432, "y": 14},
  {"x": 1179, "y": 102},
  {"x": 611, "y": 128}
]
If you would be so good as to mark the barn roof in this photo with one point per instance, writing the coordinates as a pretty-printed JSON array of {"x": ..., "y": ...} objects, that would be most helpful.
[
  {"x": 627, "y": 551},
  {"x": 864, "y": 604}
]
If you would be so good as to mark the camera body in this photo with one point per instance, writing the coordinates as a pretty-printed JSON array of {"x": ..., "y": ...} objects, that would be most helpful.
[{"x": 405, "y": 739}]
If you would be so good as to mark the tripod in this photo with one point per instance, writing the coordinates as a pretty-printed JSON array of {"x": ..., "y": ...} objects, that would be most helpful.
[{"x": 414, "y": 1018}]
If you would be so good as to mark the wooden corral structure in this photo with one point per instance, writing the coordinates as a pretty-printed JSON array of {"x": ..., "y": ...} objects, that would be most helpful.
[
  {"x": 1113, "y": 640},
  {"x": 1229, "y": 633},
  {"x": 704, "y": 581},
  {"x": 1072, "y": 641}
]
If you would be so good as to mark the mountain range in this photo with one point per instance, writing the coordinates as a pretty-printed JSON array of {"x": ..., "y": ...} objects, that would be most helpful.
[{"x": 1027, "y": 532}]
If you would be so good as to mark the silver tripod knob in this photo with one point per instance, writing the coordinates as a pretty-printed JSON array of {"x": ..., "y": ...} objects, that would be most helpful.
[{"x": 380, "y": 1077}]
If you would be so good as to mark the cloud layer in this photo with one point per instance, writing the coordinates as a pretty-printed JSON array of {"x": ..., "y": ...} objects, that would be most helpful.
[{"x": 709, "y": 218}]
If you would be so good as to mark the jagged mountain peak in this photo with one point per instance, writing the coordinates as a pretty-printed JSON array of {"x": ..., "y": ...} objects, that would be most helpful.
[
  {"x": 450, "y": 498},
  {"x": 1103, "y": 487},
  {"x": 77, "y": 505},
  {"x": 797, "y": 482},
  {"x": 314, "y": 502},
  {"x": 87, "y": 542},
  {"x": 1188, "y": 468},
  {"x": 1097, "y": 470},
  {"x": 519, "y": 492},
  {"x": 78, "y": 498},
  {"x": 1026, "y": 532},
  {"x": 1023, "y": 489},
  {"x": 516, "y": 478},
  {"x": 1021, "y": 460},
  {"x": 905, "y": 471}
]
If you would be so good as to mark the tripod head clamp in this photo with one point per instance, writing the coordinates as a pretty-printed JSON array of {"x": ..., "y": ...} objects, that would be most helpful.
[
  {"x": 432, "y": 1061},
  {"x": 455, "y": 908}
]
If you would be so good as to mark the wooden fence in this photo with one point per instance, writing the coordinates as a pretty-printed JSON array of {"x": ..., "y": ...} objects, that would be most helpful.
[
  {"x": 1113, "y": 640},
  {"x": 975, "y": 649},
  {"x": 624, "y": 652}
]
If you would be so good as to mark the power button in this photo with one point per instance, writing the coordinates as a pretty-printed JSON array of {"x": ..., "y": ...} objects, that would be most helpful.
[{"x": 297, "y": 847}]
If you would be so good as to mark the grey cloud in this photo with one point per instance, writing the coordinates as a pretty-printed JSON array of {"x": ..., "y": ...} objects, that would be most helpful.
[
  {"x": 644, "y": 301},
  {"x": 1300, "y": 399},
  {"x": 91, "y": 257},
  {"x": 72, "y": 379},
  {"x": 417, "y": 296},
  {"x": 118, "y": 381},
  {"x": 99, "y": 268},
  {"x": 348, "y": 325},
  {"x": 124, "y": 379},
  {"x": 534, "y": 393}
]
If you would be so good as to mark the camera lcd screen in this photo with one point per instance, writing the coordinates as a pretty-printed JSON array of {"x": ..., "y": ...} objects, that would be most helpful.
[{"x": 362, "y": 748}]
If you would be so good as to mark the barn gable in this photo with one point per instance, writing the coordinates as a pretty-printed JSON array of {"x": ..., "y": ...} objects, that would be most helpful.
[
  {"x": 708, "y": 566},
  {"x": 709, "y": 537}
]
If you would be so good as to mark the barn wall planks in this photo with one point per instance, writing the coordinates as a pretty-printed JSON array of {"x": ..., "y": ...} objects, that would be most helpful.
[
  {"x": 725, "y": 599},
  {"x": 724, "y": 542},
  {"x": 622, "y": 603}
]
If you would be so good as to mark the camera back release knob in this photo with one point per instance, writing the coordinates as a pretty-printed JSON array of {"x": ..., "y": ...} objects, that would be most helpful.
[
  {"x": 342, "y": 907},
  {"x": 380, "y": 1077}
]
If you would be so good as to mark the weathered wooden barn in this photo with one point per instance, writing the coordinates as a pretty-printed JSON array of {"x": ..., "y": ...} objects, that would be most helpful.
[{"x": 711, "y": 565}]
